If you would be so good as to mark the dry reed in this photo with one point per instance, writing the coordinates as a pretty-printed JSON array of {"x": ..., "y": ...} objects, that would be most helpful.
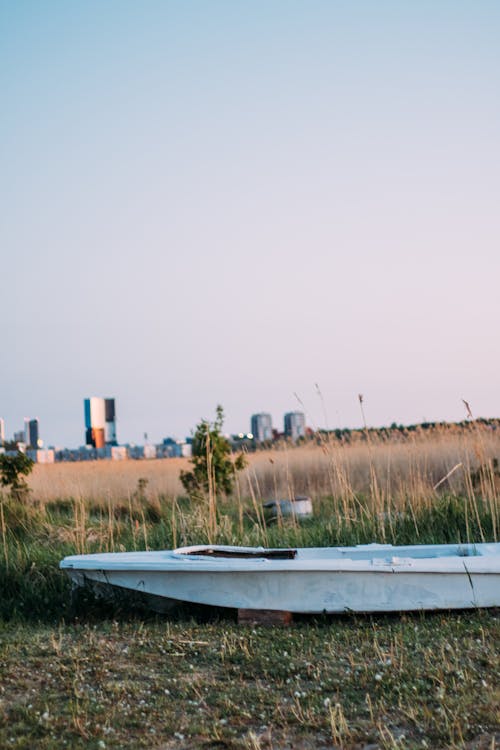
[{"x": 374, "y": 477}]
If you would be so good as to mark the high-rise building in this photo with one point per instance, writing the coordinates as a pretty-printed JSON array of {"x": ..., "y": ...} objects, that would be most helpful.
[
  {"x": 31, "y": 432},
  {"x": 110, "y": 421},
  {"x": 261, "y": 427},
  {"x": 100, "y": 421},
  {"x": 295, "y": 425},
  {"x": 2, "y": 432}
]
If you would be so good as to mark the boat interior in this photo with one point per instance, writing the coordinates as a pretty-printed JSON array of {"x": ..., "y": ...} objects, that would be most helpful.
[{"x": 360, "y": 552}]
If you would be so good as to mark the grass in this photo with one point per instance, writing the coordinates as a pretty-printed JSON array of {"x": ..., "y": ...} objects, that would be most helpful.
[
  {"x": 388, "y": 682},
  {"x": 411, "y": 462},
  {"x": 33, "y": 587},
  {"x": 88, "y": 674}
]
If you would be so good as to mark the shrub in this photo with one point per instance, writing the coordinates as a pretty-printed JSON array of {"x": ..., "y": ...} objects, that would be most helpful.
[
  {"x": 213, "y": 467},
  {"x": 12, "y": 469}
]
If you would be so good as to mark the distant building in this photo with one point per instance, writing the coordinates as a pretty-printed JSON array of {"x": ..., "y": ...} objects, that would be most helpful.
[
  {"x": 295, "y": 425},
  {"x": 100, "y": 421},
  {"x": 94, "y": 421},
  {"x": 84, "y": 453},
  {"x": 186, "y": 448},
  {"x": 116, "y": 452},
  {"x": 172, "y": 448},
  {"x": 110, "y": 421},
  {"x": 46, "y": 456},
  {"x": 149, "y": 451},
  {"x": 242, "y": 442},
  {"x": 261, "y": 427},
  {"x": 31, "y": 432}
]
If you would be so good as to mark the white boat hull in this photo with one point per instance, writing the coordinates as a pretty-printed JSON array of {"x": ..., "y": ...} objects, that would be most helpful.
[{"x": 361, "y": 579}]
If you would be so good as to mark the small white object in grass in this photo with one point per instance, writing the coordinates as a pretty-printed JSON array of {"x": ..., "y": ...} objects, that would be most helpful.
[{"x": 378, "y": 677}]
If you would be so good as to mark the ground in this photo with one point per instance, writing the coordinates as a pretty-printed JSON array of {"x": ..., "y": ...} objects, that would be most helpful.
[{"x": 402, "y": 681}]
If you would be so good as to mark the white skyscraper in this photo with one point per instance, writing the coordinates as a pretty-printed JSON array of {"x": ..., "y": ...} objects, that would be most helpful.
[
  {"x": 261, "y": 426},
  {"x": 100, "y": 421},
  {"x": 295, "y": 425}
]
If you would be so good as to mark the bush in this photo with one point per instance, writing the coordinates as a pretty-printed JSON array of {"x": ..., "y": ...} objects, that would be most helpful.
[
  {"x": 12, "y": 469},
  {"x": 213, "y": 467}
]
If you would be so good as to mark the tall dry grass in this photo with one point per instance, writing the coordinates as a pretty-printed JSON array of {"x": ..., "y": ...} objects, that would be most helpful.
[
  {"x": 101, "y": 481},
  {"x": 410, "y": 467},
  {"x": 400, "y": 467}
]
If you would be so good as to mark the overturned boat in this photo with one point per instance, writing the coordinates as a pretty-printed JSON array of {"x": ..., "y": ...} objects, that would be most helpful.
[{"x": 364, "y": 578}]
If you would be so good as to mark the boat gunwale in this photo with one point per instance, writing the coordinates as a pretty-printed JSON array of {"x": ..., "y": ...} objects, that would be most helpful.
[{"x": 171, "y": 564}]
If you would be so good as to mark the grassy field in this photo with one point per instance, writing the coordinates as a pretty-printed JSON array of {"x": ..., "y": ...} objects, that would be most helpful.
[
  {"x": 388, "y": 682},
  {"x": 405, "y": 464},
  {"x": 85, "y": 674}
]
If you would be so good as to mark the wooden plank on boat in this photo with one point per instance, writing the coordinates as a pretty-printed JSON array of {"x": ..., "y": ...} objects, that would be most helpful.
[
  {"x": 264, "y": 617},
  {"x": 240, "y": 552}
]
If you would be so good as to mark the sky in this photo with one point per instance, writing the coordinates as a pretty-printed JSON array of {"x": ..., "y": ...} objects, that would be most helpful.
[{"x": 268, "y": 204}]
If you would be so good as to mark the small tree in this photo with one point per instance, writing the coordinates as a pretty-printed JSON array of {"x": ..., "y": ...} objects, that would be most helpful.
[
  {"x": 12, "y": 469},
  {"x": 213, "y": 468}
]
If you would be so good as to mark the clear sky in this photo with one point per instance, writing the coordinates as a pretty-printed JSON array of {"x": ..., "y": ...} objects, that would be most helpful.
[{"x": 228, "y": 202}]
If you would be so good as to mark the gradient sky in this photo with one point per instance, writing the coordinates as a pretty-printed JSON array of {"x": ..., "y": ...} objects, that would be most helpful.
[{"x": 228, "y": 202}]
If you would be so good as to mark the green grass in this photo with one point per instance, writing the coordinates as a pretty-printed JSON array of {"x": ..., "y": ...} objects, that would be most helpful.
[
  {"x": 400, "y": 682},
  {"x": 95, "y": 675},
  {"x": 33, "y": 588}
]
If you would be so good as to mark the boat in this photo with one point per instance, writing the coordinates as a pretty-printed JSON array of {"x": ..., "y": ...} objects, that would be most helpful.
[{"x": 365, "y": 578}]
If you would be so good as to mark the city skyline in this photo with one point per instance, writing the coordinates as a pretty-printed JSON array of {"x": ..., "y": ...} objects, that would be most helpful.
[
  {"x": 229, "y": 203},
  {"x": 100, "y": 427},
  {"x": 100, "y": 416}
]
